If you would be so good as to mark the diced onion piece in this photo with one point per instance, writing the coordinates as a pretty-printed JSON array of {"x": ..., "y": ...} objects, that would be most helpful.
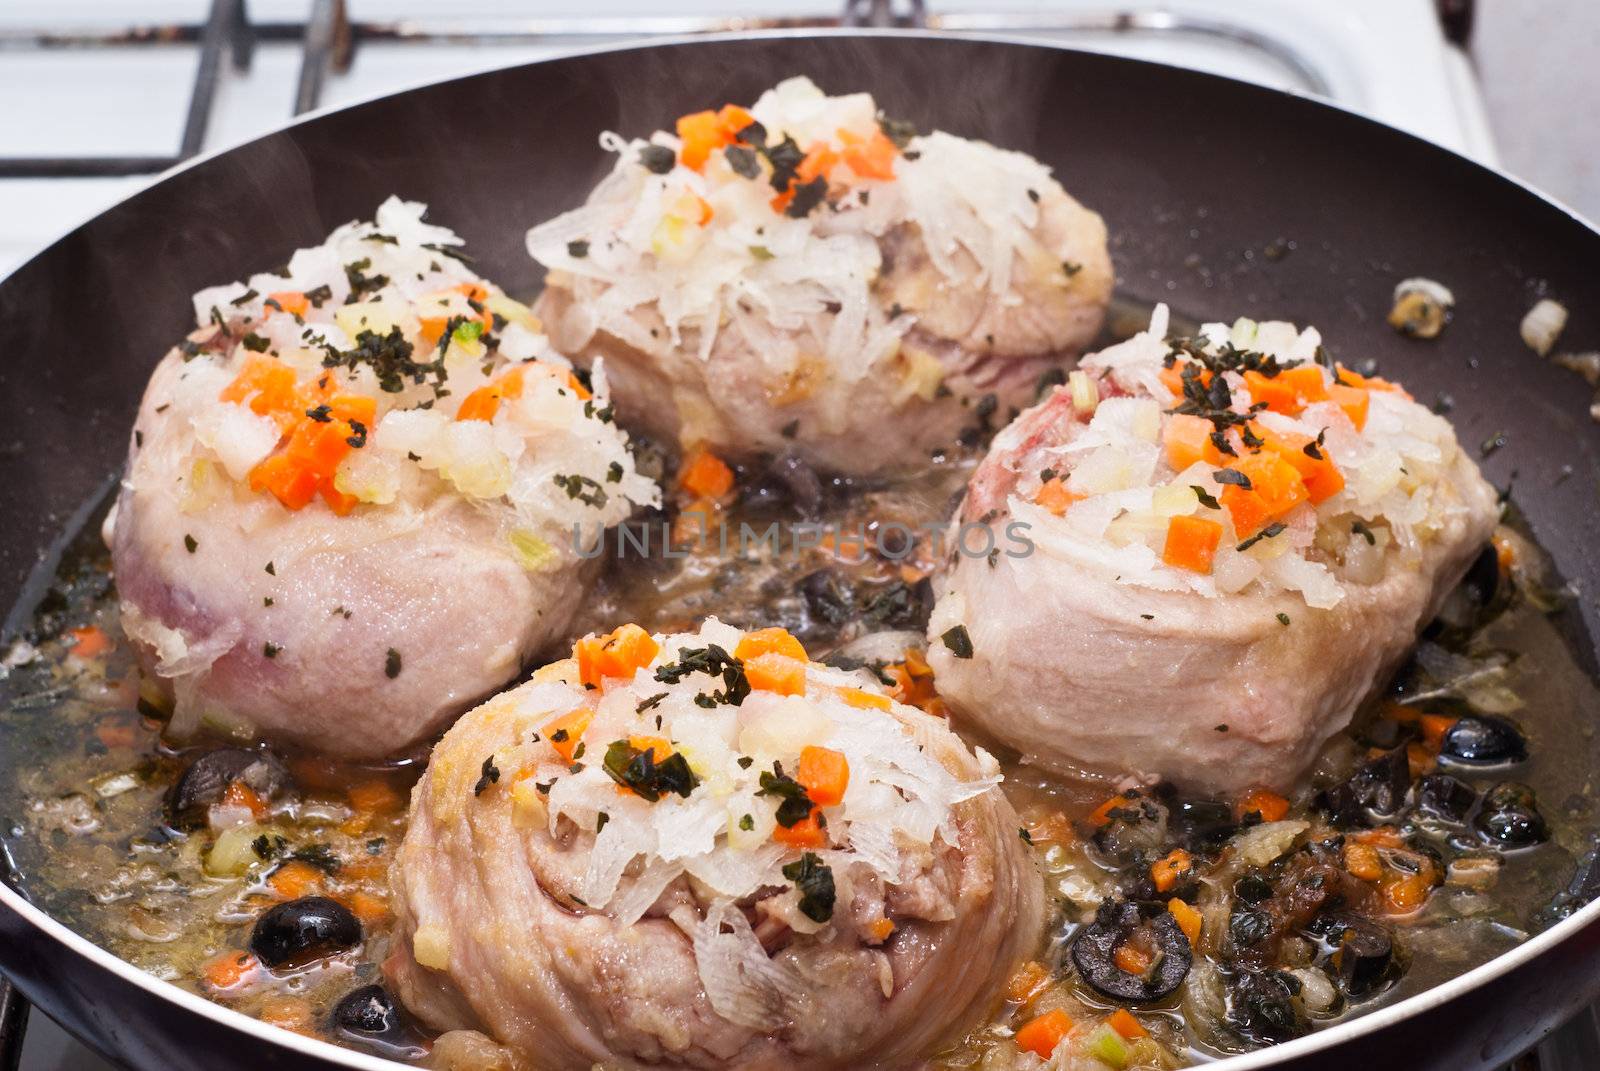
[
  {"x": 234, "y": 852},
  {"x": 431, "y": 947},
  {"x": 1085, "y": 394},
  {"x": 1543, "y": 325},
  {"x": 533, "y": 554},
  {"x": 527, "y": 805},
  {"x": 379, "y": 317}
]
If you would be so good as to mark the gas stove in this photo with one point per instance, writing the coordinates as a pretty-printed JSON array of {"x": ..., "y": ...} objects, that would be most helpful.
[
  {"x": 96, "y": 107},
  {"x": 99, "y": 106}
]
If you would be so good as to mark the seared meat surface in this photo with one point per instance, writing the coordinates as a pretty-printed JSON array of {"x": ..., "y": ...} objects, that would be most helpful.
[
  {"x": 1186, "y": 613},
  {"x": 921, "y": 299},
  {"x": 696, "y": 929}
]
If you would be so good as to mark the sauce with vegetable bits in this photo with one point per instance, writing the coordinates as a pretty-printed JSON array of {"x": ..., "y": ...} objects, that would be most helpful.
[{"x": 1438, "y": 833}]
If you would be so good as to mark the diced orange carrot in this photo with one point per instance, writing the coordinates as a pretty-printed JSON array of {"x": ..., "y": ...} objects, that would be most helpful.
[
  {"x": 769, "y": 641},
  {"x": 1189, "y": 920},
  {"x": 702, "y": 134},
  {"x": 1308, "y": 382},
  {"x": 1406, "y": 894},
  {"x": 871, "y": 157},
  {"x": 1434, "y": 726},
  {"x": 265, "y": 381},
  {"x": 370, "y": 909},
  {"x": 705, "y": 475},
  {"x": 1321, "y": 476},
  {"x": 1171, "y": 869},
  {"x": 1356, "y": 379},
  {"x": 1191, "y": 543},
  {"x": 1172, "y": 377},
  {"x": 1028, "y": 982},
  {"x": 239, "y": 794},
  {"x": 292, "y": 302},
  {"x": 806, "y": 833},
  {"x": 1354, "y": 402},
  {"x": 660, "y": 748},
  {"x": 1269, "y": 805},
  {"x": 1123, "y": 1022},
  {"x": 481, "y": 404},
  {"x": 230, "y": 970},
  {"x": 565, "y": 732},
  {"x": 1403, "y": 714},
  {"x": 1055, "y": 497},
  {"x": 1380, "y": 837},
  {"x": 1275, "y": 489},
  {"x": 734, "y": 119},
  {"x": 774, "y": 672},
  {"x": 1505, "y": 553},
  {"x": 295, "y": 879},
  {"x": 825, "y": 773},
  {"x": 1187, "y": 439},
  {"x": 819, "y": 161},
  {"x": 1042, "y": 1034},
  {"x": 1132, "y": 959},
  {"x": 1362, "y": 861},
  {"x": 1102, "y": 814},
  {"x": 291, "y": 484},
  {"x": 620, "y": 655},
  {"x": 375, "y": 796},
  {"x": 881, "y": 930},
  {"x": 856, "y": 697},
  {"x": 1276, "y": 391},
  {"x": 89, "y": 641}
]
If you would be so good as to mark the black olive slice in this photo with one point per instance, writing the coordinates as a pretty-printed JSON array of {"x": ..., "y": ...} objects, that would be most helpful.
[
  {"x": 209, "y": 776},
  {"x": 1094, "y": 954},
  {"x": 304, "y": 929},
  {"x": 1483, "y": 739},
  {"x": 1509, "y": 817},
  {"x": 1262, "y": 1008},
  {"x": 1376, "y": 790},
  {"x": 1446, "y": 797},
  {"x": 1363, "y": 953}
]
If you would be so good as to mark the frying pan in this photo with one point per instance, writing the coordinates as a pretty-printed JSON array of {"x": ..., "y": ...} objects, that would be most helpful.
[{"x": 1197, "y": 177}]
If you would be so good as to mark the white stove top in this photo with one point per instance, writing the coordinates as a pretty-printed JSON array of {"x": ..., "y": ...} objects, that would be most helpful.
[{"x": 1385, "y": 57}]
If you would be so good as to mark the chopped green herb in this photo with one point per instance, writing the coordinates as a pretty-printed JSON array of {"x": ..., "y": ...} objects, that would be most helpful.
[
  {"x": 658, "y": 159},
  {"x": 958, "y": 641},
  {"x": 490, "y": 775},
  {"x": 1273, "y": 529},
  {"x": 794, "y": 804},
  {"x": 640, "y": 772},
  {"x": 391, "y": 664},
  {"x": 815, "y": 882}
]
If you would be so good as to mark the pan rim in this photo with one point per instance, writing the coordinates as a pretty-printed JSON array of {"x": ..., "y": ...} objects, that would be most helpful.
[
  {"x": 337, "y": 1055},
  {"x": 1272, "y": 1055},
  {"x": 679, "y": 40}
]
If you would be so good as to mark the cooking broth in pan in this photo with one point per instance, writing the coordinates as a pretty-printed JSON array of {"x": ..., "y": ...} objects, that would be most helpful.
[{"x": 1441, "y": 831}]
